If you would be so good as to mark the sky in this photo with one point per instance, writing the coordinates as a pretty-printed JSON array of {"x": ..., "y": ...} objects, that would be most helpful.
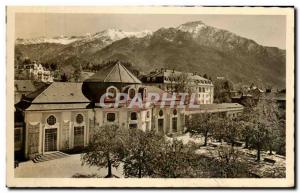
[{"x": 267, "y": 30}]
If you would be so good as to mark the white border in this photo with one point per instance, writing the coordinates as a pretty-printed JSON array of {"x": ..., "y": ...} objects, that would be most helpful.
[{"x": 45, "y": 182}]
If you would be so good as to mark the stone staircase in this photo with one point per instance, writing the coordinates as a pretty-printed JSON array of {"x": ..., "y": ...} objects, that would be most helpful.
[{"x": 49, "y": 156}]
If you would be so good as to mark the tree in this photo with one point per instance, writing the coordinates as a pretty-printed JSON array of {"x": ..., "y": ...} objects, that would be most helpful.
[
  {"x": 268, "y": 114},
  {"x": 141, "y": 149},
  {"x": 106, "y": 148},
  {"x": 229, "y": 164},
  {"x": 76, "y": 75},
  {"x": 202, "y": 124},
  {"x": 176, "y": 160},
  {"x": 246, "y": 120},
  {"x": 182, "y": 83},
  {"x": 64, "y": 77},
  {"x": 219, "y": 132},
  {"x": 259, "y": 137},
  {"x": 222, "y": 90},
  {"x": 233, "y": 128},
  {"x": 53, "y": 66}
]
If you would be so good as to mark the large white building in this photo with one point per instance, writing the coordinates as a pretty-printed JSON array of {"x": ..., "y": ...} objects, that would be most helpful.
[
  {"x": 170, "y": 81},
  {"x": 63, "y": 116},
  {"x": 38, "y": 73}
]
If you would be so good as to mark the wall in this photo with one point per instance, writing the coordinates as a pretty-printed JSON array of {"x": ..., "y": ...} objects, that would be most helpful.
[{"x": 36, "y": 123}]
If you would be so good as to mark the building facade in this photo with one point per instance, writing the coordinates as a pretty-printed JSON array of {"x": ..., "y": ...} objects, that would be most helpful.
[
  {"x": 63, "y": 116},
  {"x": 38, "y": 73},
  {"x": 175, "y": 81}
]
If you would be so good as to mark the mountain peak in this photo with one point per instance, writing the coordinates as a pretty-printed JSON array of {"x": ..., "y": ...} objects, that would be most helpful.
[
  {"x": 192, "y": 27},
  {"x": 194, "y": 23}
]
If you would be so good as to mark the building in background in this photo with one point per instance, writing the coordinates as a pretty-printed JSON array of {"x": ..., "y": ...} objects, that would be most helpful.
[
  {"x": 176, "y": 81},
  {"x": 38, "y": 73}
]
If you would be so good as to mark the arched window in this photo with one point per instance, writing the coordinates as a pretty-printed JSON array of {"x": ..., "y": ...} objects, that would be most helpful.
[
  {"x": 79, "y": 118},
  {"x": 51, "y": 120},
  {"x": 131, "y": 93},
  {"x": 113, "y": 92},
  {"x": 133, "y": 116},
  {"x": 161, "y": 113},
  {"x": 148, "y": 114}
]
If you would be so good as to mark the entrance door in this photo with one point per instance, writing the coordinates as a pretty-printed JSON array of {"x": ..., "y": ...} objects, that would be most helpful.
[
  {"x": 51, "y": 139},
  {"x": 79, "y": 136},
  {"x": 161, "y": 126}
]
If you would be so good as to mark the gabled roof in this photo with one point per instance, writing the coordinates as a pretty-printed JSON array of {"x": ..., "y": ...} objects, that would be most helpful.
[
  {"x": 116, "y": 73},
  {"x": 58, "y": 95}
]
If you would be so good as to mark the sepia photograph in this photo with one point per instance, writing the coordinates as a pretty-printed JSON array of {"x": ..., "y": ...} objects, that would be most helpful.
[{"x": 150, "y": 97}]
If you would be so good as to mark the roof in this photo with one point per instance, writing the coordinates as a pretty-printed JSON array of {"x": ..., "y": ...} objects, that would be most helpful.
[
  {"x": 221, "y": 107},
  {"x": 154, "y": 89},
  {"x": 58, "y": 95},
  {"x": 61, "y": 92},
  {"x": 66, "y": 106},
  {"x": 174, "y": 73},
  {"x": 116, "y": 73}
]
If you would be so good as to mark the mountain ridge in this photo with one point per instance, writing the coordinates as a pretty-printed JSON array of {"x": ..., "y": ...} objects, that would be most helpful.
[{"x": 192, "y": 46}]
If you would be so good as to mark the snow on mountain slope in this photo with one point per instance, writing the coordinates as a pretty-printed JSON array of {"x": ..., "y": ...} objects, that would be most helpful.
[
  {"x": 58, "y": 40},
  {"x": 192, "y": 27},
  {"x": 108, "y": 36}
]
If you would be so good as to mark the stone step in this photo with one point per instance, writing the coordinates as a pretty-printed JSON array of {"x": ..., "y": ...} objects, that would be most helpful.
[{"x": 49, "y": 156}]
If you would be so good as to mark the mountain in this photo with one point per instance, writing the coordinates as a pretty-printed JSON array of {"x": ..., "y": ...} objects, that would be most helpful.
[
  {"x": 193, "y": 46},
  {"x": 58, "y": 40},
  {"x": 68, "y": 50}
]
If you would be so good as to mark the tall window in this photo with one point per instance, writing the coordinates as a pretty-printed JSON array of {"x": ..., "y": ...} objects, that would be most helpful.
[
  {"x": 51, "y": 120},
  {"x": 174, "y": 124},
  {"x": 133, "y": 116},
  {"x": 111, "y": 117}
]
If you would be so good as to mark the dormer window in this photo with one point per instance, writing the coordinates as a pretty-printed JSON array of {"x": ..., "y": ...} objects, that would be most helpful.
[{"x": 112, "y": 91}]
